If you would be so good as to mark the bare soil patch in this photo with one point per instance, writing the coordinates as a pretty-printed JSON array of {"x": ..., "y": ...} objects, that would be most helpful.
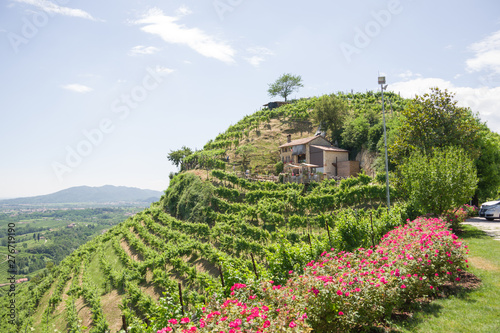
[
  {"x": 205, "y": 266},
  {"x": 130, "y": 251},
  {"x": 84, "y": 313},
  {"x": 110, "y": 307},
  {"x": 37, "y": 316},
  {"x": 152, "y": 290}
]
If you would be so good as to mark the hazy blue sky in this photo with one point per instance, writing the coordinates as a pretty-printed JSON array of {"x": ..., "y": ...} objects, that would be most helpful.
[{"x": 99, "y": 92}]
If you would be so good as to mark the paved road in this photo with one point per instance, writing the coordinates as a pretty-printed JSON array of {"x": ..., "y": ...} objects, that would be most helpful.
[{"x": 492, "y": 228}]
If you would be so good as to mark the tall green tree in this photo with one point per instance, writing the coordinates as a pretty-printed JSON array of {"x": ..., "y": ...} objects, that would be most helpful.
[
  {"x": 177, "y": 156},
  {"x": 355, "y": 133},
  {"x": 432, "y": 121},
  {"x": 488, "y": 166},
  {"x": 285, "y": 85},
  {"x": 439, "y": 181},
  {"x": 330, "y": 112}
]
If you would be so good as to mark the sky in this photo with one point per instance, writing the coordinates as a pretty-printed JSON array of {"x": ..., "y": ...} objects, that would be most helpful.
[{"x": 99, "y": 92}]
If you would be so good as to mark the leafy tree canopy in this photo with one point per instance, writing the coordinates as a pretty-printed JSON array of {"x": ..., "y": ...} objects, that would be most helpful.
[
  {"x": 355, "y": 134},
  {"x": 285, "y": 85},
  {"x": 177, "y": 156},
  {"x": 488, "y": 165},
  {"x": 330, "y": 112},
  {"x": 432, "y": 121},
  {"x": 439, "y": 181}
]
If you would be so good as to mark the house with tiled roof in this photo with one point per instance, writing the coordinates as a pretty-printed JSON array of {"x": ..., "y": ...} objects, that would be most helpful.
[{"x": 319, "y": 154}]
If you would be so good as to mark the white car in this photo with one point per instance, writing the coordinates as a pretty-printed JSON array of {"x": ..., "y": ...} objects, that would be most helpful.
[{"x": 490, "y": 210}]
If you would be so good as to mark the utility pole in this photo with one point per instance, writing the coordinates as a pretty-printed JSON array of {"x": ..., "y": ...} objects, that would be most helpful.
[{"x": 383, "y": 86}]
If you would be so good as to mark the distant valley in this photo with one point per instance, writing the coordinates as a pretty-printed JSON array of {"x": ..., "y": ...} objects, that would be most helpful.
[{"x": 89, "y": 196}]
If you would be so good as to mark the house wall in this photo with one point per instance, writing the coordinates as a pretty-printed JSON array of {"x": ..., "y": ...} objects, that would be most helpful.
[
  {"x": 330, "y": 157},
  {"x": 348, "y": 168},
  {"x": 286, "y": 152},
  {"x": 316, "y": 156},
  {"x": 286, "y": 156},
  {"x": 319, "y": 141}
]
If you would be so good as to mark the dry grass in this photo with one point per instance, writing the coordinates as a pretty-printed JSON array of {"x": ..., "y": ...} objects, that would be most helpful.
[
  {"x": 482, "y": 263},
  {"x": 44, "y": 301},
  {"x": 110, "y": 307},
  {"x": 152, "y": 290},
  {"x": 205, "y": 266},
  {"x": 59, "y": 320},
  {"x": 130, "y": 251},
  {"x": 266, "y": 140},
  {"x": 84, "y": 313}
]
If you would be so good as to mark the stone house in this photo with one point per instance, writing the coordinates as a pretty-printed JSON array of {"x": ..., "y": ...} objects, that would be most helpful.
[{"x": 319, "y": 154}]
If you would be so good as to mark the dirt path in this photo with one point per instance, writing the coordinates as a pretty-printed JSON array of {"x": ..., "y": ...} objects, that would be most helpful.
[{"x": 492, "y": 228}]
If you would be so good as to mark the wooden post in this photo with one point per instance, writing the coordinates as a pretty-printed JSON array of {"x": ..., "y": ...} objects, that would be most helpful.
[
  {"x": 221, "y": 276},
  {"x": 180, "y": 297},
  {"x": 124, "y": 323},
  {"x": 310, "y": 244},
  {"x": 329, "y": 238},
  {"x": 254, "y": 268},
  {"x": 371, "y": 222}
]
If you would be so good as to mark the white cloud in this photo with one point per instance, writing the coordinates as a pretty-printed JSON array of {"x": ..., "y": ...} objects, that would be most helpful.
[
  {"x": 487, "y": 54},
  {"x": 141, "y": 49},
  {"x": 260, "y": 54},
  {"x": 163, "y": 70},
  {"x": 260, "y": 50},
  {"x": 76, "y": 87},
  {"x": 50, "y": 7},
  {"x": 483, "y": 100},
  {"x": 167, "y": 28},
  {"x": 255, "y": 60},
  {"x": 407, "y": 75},
  {"x": 183, "y": 11}
]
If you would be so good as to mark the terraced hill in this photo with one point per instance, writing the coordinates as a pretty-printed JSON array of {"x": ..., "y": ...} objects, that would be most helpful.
[
  {"x": 198, "y": 230},
  {"x": 208, "y": 233},
  {"x": 253, "y": 142}
]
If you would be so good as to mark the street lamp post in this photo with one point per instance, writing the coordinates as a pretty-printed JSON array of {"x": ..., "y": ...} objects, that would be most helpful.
[{"x": 383, "y": 86}]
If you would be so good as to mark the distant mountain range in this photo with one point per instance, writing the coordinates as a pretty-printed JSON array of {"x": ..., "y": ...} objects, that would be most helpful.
[{"x": 89, "y": 195}]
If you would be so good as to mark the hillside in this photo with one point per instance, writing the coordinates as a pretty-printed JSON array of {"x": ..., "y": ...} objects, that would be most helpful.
[
  {"x": 198, "y": 228},
  {"x": 252, "y": 143},
  {"x": 87, "y": 194},
  {"x": 213, "y": 232}
]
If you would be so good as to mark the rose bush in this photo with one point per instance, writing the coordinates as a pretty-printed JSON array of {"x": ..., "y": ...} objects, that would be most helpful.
[{"x": 342, "y": 291}]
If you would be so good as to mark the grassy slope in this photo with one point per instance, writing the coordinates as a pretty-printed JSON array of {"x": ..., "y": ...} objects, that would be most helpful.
[
  {"x": 467, "y": 311},
  {"x": 265, "y": 142}
]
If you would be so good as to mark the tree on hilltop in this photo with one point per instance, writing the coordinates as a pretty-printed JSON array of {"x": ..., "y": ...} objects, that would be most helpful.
[
  {"x": 330, "y": 112},
  {"x": 285, "y": 85},
  {"x": 177, "y": 156}
]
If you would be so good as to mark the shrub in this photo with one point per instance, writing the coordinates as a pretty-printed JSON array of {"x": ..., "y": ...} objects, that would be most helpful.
[{"x": 342, "y": 291}]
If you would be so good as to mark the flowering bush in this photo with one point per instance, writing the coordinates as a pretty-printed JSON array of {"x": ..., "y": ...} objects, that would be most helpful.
[
  {"x": 342, "y": 291},
  {"x": 471, "y": 210},
  {"x": 459, "y": 215}
]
